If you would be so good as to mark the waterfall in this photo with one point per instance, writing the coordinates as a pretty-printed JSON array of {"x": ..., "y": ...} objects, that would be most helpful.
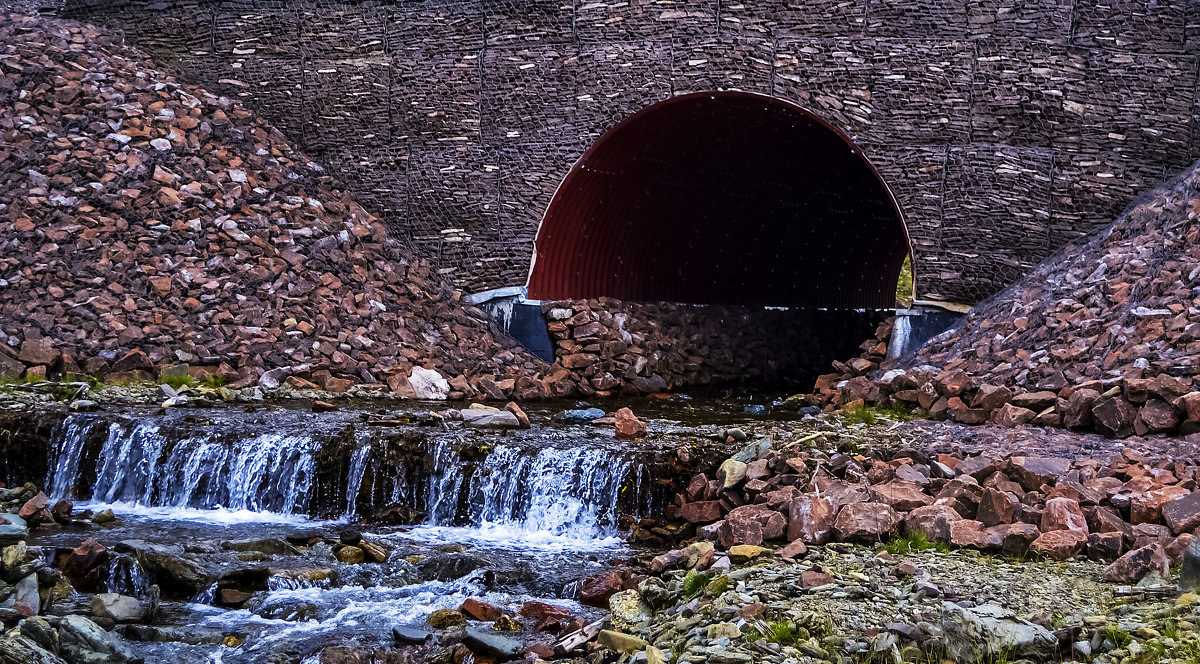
[
  {"x": 358, "y": 466},
  {"x": 267, "y": 472},
  {"x": 543, "y": 483}
]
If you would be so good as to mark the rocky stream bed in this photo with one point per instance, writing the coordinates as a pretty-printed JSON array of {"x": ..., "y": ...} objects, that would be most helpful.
[{"x": 267, "y": 532}]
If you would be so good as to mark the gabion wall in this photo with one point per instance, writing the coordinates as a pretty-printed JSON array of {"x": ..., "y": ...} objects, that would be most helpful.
[{"x": 1006, "y": 128}]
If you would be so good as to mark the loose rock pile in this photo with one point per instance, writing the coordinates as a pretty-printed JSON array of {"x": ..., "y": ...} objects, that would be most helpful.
[
  {"x": 1140, "y": 513},
  {"x": 148, "y": 225},
  {"x": 1102, "y": 336}
]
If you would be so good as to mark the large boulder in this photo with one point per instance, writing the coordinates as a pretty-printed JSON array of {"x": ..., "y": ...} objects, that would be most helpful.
[
  {"x": 1063, "y": 514},
  {"x": 13, "y": 529},
  {"x": 901, "y": 494},
  {"x": 935, "y": 521},
  {"x": 773, "y": 523},
  {"x": 987, "y": 632},
  {"x": 811, "y": 518},
  {"x": 428, "y": 384},
  {"x": 865, "y": 523},
  {"x": 1137, "y": 564},
  {"x": 1060, "y": 544},
  {"x": 84, "y": 641}
]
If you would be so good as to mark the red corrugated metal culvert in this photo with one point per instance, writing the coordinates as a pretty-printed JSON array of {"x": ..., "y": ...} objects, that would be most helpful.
[{"x": 723, "y": 198}]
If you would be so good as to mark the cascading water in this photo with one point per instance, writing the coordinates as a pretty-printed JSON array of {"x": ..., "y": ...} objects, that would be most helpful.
[{"x": 535, "y": 484}]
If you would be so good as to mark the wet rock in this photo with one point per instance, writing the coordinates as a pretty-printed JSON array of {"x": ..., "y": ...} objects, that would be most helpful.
[
  {"x": 866, "y": 523},
  {"x": 19, "y": 649},
  {"x": 84, "y": 641},
  {"x": 13, "y": 529},
  {"x": 374, "y": 552},
  {"x": 546, "y": 617},
  {"x": 478, "y": 610},
  {"x": 985, "y": 632},
  {"x": 350, "y": 537},
  {"x": 118, "y": 608},
  {"x": 811, "y": 519},
  {"x": 104, "y": 517},
  {"x": 1135, "y": 565},
  {"x": 490, "y": 419},
  {"x": 581, "y": 416},
  {"x": 409, "y": 636},
  {"x": 351, "y": 555},
  {"x": 270, "y": 546},
  {"x": 36, "y": 510},
  {"x": 597, "y": 590},
  {"x": 86, "y": 564},
  {"x": 445, "y": 618},
  {"x": 628, "y": 426},
  {"x": 176, "y": 574},
  {"x": 490, "y": 643},
  {"x": 26, "y": 600},
  {"x": 522, "y": 418}
]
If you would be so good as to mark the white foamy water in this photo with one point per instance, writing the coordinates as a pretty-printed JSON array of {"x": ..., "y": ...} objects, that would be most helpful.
[{"x": 215, "y": 515}]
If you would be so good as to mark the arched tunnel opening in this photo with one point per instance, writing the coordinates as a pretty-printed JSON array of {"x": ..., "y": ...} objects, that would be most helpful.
[
  {"x": 723, "y": 198},
  {"x": 766, "y": 224}
]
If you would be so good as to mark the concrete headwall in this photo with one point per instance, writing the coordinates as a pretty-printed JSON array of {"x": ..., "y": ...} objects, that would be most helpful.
[{"x": 1005, "y": 127}]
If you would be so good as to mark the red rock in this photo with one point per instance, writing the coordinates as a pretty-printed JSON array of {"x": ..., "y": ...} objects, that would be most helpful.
[
  {"x": 1146, "y": 506},
  {"x": 701, "y": 511},
  {"x": 1178, "y": 546},
  {"x": 547, "y": 617},
  {"x": 1012, "y": 539},
  {"x": 1059, "y": 544},
  {"x": 901, "y": 495},
  {"x": 85, "y": 566},
  {"x": 966, "y": 533},
  {"x": 1114, "y": 417},
  {"x": 794, "y": 549},
  {"x": 996, "y": 507},
  {"x": 811, "y": 518},
  {"x": 865, "y": 523},
  {"x": 935, "y": 521},
  {"x": 134, "y": 360},
  {"x": 962, "y": 494},
  {"x": 597, "y": 589},
  {"x": 1135, "y": 565},
  {"x": 1190, "y": 404},
  {"x": 628, "y": 425},
  {"x": 36, "y": 510},
  {"x": 978, "y": 467},
  {"x": 1104, "y": 546},
  {"x": 1150, "y": 533},
  {"x": 1182, "y": 514},
  {"x": 813, "y": 578},
  {"x": 38, "y": 351},
  {"x": 1157, "y": 416},
  {"x": 1063, "y": 514},
  {"x": 1032, "y": 472},
  {"x": 745, "y": 531},
  {"x": 991, "y": 397},
  {"x": 480, "y": 610},
  {"x": 772, "y": 524},
  {"x": 1009, "y": 415},
  {"x": 1035, "y": 401},
  {"x": 1077, "y": 412},
  {"x": 513, "y": 408}
]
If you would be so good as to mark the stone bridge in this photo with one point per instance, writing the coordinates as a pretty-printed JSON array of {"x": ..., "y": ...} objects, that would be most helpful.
[{"x": 1004, "y": 128}]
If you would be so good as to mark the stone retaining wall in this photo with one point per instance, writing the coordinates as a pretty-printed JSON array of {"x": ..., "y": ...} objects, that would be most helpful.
[{"x": 1004, "y": 128}]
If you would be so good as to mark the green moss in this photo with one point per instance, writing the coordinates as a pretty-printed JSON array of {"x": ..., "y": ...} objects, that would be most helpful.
[{"x": 857, "y": 412}]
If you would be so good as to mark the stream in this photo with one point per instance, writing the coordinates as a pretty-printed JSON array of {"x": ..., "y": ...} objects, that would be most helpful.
[{"x": 505, "y": 517}]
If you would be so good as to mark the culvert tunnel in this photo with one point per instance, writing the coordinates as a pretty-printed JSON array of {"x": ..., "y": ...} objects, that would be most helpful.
[{"x": 748, "y": 210}]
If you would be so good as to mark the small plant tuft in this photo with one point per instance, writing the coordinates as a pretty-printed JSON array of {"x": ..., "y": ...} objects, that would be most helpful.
[
  {"x": 695, "y": 582},
  {"x": 214, "y": 381},
  {"x": 914, "y": 541},
  {"x": 856, "y": 411},
  {"x": 178, "y": 380}
]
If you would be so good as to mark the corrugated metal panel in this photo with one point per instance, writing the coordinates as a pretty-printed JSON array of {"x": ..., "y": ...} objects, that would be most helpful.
[{"x": 723, "y": 198}]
